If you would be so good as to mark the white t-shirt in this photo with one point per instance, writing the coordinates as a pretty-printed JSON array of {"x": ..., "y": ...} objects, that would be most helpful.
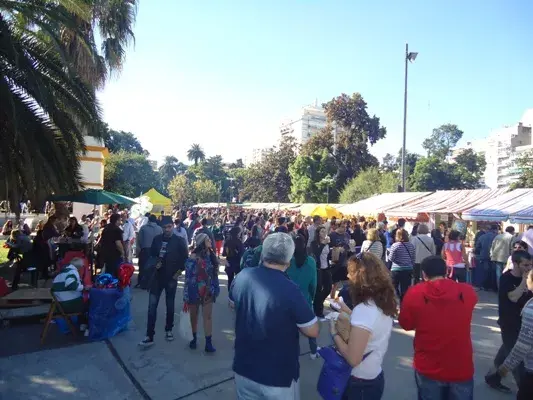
[{"x": 371, "y": 318}]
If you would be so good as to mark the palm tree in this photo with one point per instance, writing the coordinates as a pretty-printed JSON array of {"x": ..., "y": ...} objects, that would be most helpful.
[
  {"x": 46, "y": 108},
  {"x": 169, "y": 169},
  {"x": 67, "y": 28},
  {"x": 196, "y": 154},
  {"x": 113, "y": 20}
]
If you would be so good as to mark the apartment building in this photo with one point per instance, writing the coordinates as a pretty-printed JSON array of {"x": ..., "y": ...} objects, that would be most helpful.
[{"x": 310, "y": 120}]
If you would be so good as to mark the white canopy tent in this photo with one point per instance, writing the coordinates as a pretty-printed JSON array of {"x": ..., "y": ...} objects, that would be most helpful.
[
  {"x": 380, "y": 203},
  {"x": 445, "y": 202}
]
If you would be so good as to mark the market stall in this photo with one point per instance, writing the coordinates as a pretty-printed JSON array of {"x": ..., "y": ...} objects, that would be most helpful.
[
  {"x": 377, "y": 205},
  {"x": 516, "y": 206},
  {"x": 444, "y": 206},
  {"x": 160, "y": 202}
]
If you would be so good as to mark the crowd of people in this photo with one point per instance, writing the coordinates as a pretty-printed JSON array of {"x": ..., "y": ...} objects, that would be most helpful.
[{"x": 282, "y": 267}]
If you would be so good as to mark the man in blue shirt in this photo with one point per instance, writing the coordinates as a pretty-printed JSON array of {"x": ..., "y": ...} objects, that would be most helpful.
[{"x": 270, "y": 313}]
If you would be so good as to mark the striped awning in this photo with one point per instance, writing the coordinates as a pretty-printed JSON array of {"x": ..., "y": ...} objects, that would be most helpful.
[{"x": 446, "y": 202}]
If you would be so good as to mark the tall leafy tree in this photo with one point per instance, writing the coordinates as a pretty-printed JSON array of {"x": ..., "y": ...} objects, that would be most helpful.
[
  {"x": 368, "y": 183},
  {"x": 347, "y": 137},
  {"x": 46, "y": 109},
  {"x": 130, "y": 174},
  {"x": 116, "y": 141},
  {"x": 112, "y": 22},
  {"x": 442, "y": 140},
  {"x": 311, "y": 178},
  {"x": 196, "y": 154},
  {"x": 213, "y": 169},
  {"x": 525, "y": 166},
  {"x": 470, "y": 167},
  {"x": 432, "y": 173},
  {"x": 270, "y": 180}
]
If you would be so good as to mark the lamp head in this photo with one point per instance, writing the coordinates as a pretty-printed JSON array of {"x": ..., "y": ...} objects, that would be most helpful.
[{"x": 412, "y": 56}]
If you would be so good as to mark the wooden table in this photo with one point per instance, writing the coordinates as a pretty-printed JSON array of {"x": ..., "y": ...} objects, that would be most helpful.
[{"x": 26, "y": 297}]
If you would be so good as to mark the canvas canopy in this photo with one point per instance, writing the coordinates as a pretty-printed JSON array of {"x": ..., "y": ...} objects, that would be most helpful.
[
  {"x": 157, "y": 199},
  {"x": 515, "y": 206},
  {"x": 445, "y": 202},
  {"x": 380, "y": 203}
]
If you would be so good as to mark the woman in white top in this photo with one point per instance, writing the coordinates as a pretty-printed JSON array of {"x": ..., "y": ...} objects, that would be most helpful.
[
  {"x": 373, "y": 244},
  {"x": 373, "y": 296}
]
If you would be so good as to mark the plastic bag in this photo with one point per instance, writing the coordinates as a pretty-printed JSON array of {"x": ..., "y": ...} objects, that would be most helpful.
[
  {"x": 109, "y": 312},
  {"x": 185, "y": 328}
]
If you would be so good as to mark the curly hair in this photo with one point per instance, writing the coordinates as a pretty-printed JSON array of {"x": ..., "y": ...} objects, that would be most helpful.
[{"x": 369, "y": 279}]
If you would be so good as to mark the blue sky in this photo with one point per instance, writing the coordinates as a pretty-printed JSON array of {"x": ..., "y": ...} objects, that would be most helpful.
[{"x": 225, "y": 73}]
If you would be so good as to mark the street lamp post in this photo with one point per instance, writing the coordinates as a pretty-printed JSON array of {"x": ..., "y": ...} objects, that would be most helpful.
[{"x": 408, "y": 57}]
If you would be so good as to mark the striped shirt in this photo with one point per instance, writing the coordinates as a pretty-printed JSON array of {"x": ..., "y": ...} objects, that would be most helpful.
[
  {"x": 375, "y": 248},
  {"x": 402, "y": 255},
  {"x": 523, "y": 349},
  {"x": 67, "y": 285}
]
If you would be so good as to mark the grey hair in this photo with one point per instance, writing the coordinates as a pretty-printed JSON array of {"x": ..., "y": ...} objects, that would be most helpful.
[
  {"x": 423, "y": 229},
  {"x": 77, "y": 262},
  {"x": 278, "y": 248}
]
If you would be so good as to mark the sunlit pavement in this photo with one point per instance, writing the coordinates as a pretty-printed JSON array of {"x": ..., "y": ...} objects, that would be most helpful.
[{"x": 118, "y": 369}]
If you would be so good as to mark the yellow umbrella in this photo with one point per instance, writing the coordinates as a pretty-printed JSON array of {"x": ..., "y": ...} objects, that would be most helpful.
[{"x": 323, "y": 211}]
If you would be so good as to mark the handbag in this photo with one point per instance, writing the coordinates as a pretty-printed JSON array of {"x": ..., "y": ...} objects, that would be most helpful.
[
  {"x": 334, "y": 375},
  {"x": 427, "y": 248}
]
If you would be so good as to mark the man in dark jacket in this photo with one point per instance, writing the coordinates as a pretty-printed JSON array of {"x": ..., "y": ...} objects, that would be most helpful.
[
  {"x": 145, "y": 238},
  {"x": 171, "y": 252},
  {"x": 482, "y": 250}
]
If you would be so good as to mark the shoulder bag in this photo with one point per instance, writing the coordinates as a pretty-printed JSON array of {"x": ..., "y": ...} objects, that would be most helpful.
[{"x": 427, "y": 248}]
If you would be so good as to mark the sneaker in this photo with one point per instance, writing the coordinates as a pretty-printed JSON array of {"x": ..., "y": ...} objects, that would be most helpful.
[
  {"x": 83, "y": 327},
  {"x": 169, "y": 336},
  {"x": 146, "y": 342},
  {"x": 496, "y": 383},
  {"x": 314, "y": 356},
  {"x": 500, "y": 387}
]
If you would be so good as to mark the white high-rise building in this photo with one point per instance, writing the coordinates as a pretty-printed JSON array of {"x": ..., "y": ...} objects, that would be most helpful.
[
  {"x": 502, "y": 149},
  {"x": 310, "y": 120},
  {"x": 255, "y": 156}
]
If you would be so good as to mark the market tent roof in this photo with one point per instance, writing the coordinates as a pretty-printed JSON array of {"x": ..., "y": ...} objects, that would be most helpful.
[
  {"x": 446, "y": 201},
  {"x": 157, "y": 199},
  {"x": 380, "y": 203},
  {"x": 515, "y": 205}
]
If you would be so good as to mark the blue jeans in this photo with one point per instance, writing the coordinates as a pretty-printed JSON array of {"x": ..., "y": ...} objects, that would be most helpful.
[
  {"x": 499, "y": 266},
  {"x": 153, "y": 300},
  {"x": 365, "y": 389},
  {"x": 429, "y": 389}
]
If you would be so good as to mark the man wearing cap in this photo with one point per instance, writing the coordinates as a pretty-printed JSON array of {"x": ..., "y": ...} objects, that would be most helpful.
[{"x": 171, "y": 253}]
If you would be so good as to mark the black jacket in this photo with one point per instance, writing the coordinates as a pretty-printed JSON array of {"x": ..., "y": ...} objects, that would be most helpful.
[{"x": 175, "y": 256}]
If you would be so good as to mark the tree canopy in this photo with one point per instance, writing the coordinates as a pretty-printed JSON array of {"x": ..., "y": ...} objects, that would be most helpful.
[
  {"x": 368, "y": 183},
  {"x": 525, "y": 167},
  {"x": 270, "y": 180},
  {"x": 169, "y": 169},
  {"x": 442, "y": 140},
  {"x": 129, "y": 174},
  {"x": 347, "y": 137},
  {"x": 196, "y": 154},
  {"x": 116, "y": 141}
]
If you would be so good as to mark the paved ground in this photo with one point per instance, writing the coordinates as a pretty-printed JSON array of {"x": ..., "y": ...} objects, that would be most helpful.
[{"x": 118, "y": 369}]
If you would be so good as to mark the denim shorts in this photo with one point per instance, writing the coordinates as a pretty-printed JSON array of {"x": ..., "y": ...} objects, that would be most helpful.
[{"x": 250, "y": 390}]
